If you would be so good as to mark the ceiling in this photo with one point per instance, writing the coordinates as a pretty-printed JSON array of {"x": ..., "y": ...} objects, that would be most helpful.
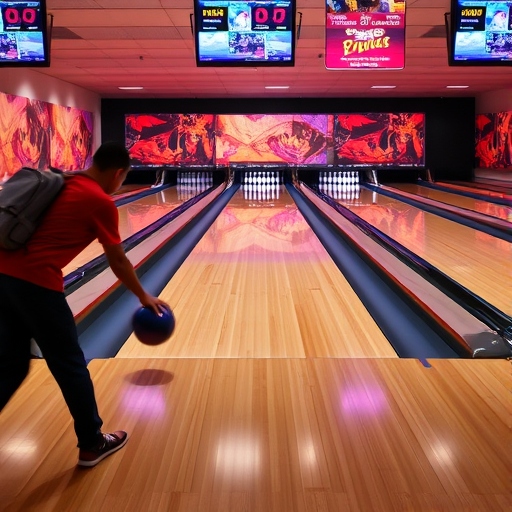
[{"x": 103, "y": 44}]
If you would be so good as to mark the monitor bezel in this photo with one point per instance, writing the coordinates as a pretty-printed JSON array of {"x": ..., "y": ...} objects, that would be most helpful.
[
  {"x": 46, "y": 33},
  {"x": 451, "y": 33},
  {"x": 244, "y": 63}
]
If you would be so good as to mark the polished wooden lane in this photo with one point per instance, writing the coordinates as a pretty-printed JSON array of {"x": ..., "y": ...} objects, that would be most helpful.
[
  {"x": 86, "y": 297},
  {"x": 465, "y": 187},
  {"x": 502, "y": 187},
  {"x": 126, "y": 190},
  {"x": 477, "y": 205},
  {"x": 480, "y": 262},
  {"x": 268, "y": 435},
  {"x": 133, "y": 217},
  {"x": 260, "y": 284},
  {"x": 505, "y": 185}
]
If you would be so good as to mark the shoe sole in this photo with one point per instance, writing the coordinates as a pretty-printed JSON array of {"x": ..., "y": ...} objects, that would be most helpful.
[{"x": 92, "y": 463}]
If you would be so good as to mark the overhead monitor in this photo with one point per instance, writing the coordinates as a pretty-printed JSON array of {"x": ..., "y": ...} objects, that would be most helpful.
[
  {"x": 244, "y": 33},
  {"x": 23, "y": 34},
  {"x": 480, "y": 33}
]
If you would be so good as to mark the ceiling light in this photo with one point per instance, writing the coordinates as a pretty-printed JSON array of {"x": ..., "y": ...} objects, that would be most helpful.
[
  {"x": 131, "y": 88},
  {"x": 277, "y": 86},
  {"x": 383, "y": 87},
  {"x": 457, "y": 86}
]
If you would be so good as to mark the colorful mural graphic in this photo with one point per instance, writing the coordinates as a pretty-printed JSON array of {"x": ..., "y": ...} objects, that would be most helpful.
[
  {"x": 379, "y": 139},
  {"x": 71, "y": 142},
  {"x": 38, "y": 134},
  {"x": 372, "y": 139},
  {"x": 170, "y": 139},
  {"x": 24, "y": 134},
  {"x": 260, "y": 138},
  {"x": 493, "y": 140}
]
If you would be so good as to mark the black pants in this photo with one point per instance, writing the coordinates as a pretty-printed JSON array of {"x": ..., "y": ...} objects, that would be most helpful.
[{"x": 30, "y": 311}]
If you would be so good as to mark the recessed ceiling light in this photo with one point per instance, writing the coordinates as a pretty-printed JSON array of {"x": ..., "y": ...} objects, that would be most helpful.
[
  {"x": 131, "y": 88},
  {"x": 383, "y": 87},
  {"x": 277, "y": 86},
  {"x": 457, "y": 86}
]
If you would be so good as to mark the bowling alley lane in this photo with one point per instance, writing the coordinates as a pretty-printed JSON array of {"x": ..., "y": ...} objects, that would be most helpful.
[
  {"x": 477, "y": 205},
  {"x": 482, "y": 186},
  {"x": 478, "y": 261},
  {"x": 133, "y": 217},
  {"x": 127, "y": 190},
  {"x": 259, "y": 284},
  {"x": 494, "y": 184}
]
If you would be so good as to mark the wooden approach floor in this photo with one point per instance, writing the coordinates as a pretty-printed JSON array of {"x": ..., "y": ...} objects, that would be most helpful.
[{"x": 271, "y": 435}]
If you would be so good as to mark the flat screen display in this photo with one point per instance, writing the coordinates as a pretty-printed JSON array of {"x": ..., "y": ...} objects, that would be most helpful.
[
  {"x": 493, "y": 141},
  {"x": 23, "y": 36},
  {"x": 155, "y": 140},
  {"x": 297, "y": 139},
  {"x": 245, "y": 33},
  {"x": 395, "y": 139},
  {"x": 481, "y": 33}
]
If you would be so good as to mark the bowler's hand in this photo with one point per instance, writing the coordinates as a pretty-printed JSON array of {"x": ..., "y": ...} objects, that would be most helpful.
[{"x": 155, "y": 304}]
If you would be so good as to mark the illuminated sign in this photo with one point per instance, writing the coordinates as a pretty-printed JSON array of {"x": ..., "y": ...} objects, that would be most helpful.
[{"x": 365, "y": 34}]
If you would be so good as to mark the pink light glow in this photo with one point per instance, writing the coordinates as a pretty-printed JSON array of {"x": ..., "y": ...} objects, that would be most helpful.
[
  {"x": 363, "y": 400},
  {"x": 146, "y": 402}
]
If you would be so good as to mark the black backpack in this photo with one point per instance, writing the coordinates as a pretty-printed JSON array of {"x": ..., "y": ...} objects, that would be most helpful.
[{"x": 24, "y": 199}]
